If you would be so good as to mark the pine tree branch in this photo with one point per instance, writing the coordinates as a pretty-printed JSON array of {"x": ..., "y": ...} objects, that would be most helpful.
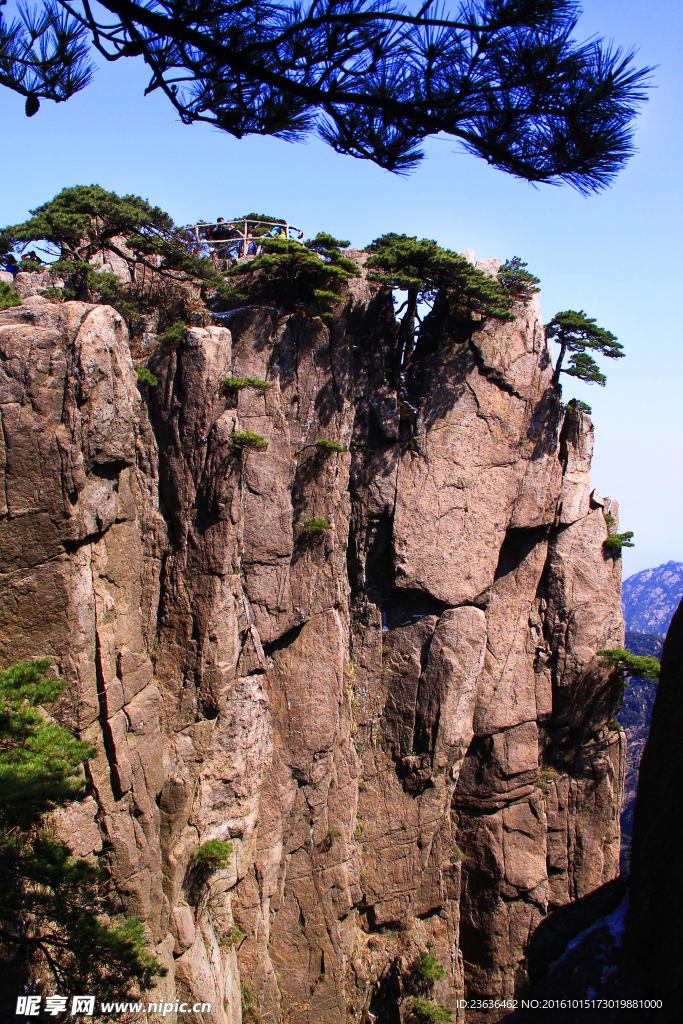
[{"x": 374, "y": 80}]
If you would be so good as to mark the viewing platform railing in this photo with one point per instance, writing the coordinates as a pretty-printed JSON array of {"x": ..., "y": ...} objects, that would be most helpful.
[{"x": 237, "y": 237}]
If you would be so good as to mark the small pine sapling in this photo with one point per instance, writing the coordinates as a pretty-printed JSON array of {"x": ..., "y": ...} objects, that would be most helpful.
[
  {"x": 145, "y": 376},
  {"x": 323, "y": 445},
  {"x": 248, "y": 441},
  {"x": 316, "y": 525},
  {"x": 428, "y": 968},
  {"x": 239, "y": 383},
  {"x": 423, "y": 1011},
  {"x": 616, "y": 541},
  {"x": 576, "y": 403},
  {"x": 213, "y": 854},
  {"x": 173, "y": 336}
]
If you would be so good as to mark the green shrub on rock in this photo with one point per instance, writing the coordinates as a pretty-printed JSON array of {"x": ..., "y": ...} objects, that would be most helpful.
[
  {"x": 239, "y": 383},
  {"x": 428, "y": 967},
  {"x": 316, "y": 525},
  {"x": 214, "y": 854},
  {"x": 145, "y": 376},
  {"x": 576, "y": 403},
  {"x": 247, "y": 441},
  {"x": 516, "y": 279},
  {"x": 423, "y": 1011},
  {"x": 329, "y": 446},
  {"x": 617, "y": 541},
  {"x": 173, "y": 335},
  {"x": 9, "y": 296}
]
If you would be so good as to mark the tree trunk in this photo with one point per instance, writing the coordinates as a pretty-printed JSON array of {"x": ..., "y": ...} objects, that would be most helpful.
[
  {"x": 405, "y": 340},
  {"x": 558, "y": 365}
]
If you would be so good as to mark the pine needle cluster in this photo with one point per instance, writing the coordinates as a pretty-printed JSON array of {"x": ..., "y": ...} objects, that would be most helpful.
[
  {"x": 507, "y": 80},
  {"x": 56, "y": 911},
  {"x": 634, "y": 665}
]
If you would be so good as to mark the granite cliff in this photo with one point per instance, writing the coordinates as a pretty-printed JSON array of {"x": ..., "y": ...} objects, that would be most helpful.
[{"x": 397, "y": 719}]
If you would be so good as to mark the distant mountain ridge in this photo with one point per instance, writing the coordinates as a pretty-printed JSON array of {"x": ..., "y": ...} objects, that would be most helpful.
[{"x": 650, "y": 598}]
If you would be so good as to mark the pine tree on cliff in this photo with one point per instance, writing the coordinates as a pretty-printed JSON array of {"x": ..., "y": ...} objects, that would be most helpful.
[
  {"x": 576, "y": 333},
  {"x": 86, "y": 223},
  {"x": 52, "y": 906},
  {"x": 427, "y": 273},
  {"x": 291, "y": 276},
  {"x": 372, "y": 78}
]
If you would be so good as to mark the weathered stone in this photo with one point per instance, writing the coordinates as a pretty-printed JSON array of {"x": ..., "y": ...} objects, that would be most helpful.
[
  {"x": 361, "y": 712},
  {"x": 576, "y": 450},
  {"x": 489, "y": 267}
]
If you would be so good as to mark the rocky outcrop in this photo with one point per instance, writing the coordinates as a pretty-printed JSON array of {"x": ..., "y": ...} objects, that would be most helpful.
[
  {"x": 653, "y": 942},
  {"x": 398, "y": 720}
]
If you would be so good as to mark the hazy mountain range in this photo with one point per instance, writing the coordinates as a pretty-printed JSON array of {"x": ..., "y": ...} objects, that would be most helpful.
[{"x": 649, "y": 598}]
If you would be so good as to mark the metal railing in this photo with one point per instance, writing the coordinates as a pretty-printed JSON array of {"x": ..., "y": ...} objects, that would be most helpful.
[{"x": 240, "y": 236}]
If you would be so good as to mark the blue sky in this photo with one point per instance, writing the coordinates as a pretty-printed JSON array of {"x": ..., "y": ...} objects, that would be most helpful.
[{"x": 616, "y": 255}]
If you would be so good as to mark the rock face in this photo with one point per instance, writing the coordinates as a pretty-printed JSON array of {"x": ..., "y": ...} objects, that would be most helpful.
[
  {"x": 653, "y": 942},
  {"x": 398, "y": 721}
]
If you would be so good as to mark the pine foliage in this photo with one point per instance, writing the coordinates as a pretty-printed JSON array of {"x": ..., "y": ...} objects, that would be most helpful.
[
  {"x": 52, "y": 914},
  {"x": 214, "y": 854},
  {"x": 373, "y": 78},
  {"x": 248, "y": 441},
  {"x": 316, "y": 525},
  {"x": 424, "y": 267},
  {"x": 579, "y": 335},
  {"x": 423, "y": 1011},
  {"x": 145, "y": 376},
  {"x": 325, "y": 445},
  {"x": 428, "y": 967},
  {"x": 240, "y": 383},
  {"x": 438, "y": 279},
  {"x": 516, "y": 279},
  {"x": 292, "y": 276},
  {"x": 576, "y": 403},
  {"x": 9, "y": 296},
  {"x": 617, "y": 541},
  {"x": 82, "y": 226},
  {"x": 635, "y": 665}
]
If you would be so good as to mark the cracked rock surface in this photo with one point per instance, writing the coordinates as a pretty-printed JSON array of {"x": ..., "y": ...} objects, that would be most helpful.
[{"x": 400, "y": 722}]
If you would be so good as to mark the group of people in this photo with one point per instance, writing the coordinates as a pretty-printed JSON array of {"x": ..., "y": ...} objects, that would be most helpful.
[
  {"x": 12, "y": 266},
  {"x": 237, "y": 244}
]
